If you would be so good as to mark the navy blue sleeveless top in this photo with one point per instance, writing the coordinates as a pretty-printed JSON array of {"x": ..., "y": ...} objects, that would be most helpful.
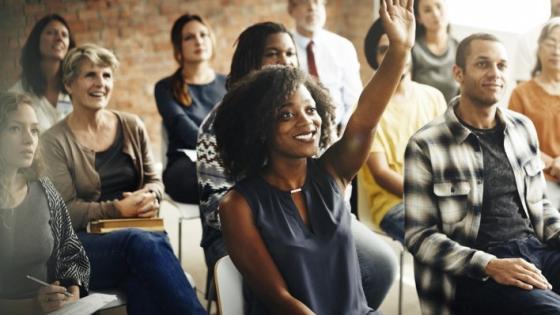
[{"x": 318, "y": 262}]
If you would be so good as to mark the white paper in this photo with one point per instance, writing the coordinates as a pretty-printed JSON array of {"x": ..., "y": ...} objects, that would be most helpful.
[
  {"x": 86, "y": 305},
  {"x": 190, "y": 153}
]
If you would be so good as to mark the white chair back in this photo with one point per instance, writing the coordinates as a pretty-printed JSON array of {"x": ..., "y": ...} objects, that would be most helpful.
[{"x": 229, "y": 287}]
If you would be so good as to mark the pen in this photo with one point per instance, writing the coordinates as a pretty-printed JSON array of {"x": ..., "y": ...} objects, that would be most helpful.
[{"x": 68, "y": 294}]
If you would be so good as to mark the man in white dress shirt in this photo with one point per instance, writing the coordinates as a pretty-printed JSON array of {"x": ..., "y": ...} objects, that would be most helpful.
[
  {"x": 526, "y": 54},
  {"x": 331, "y": 58}
]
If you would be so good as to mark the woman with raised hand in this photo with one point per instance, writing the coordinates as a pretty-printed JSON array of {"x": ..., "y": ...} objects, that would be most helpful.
[
  {"x": 36, "y": 236},
  {"x": 287, "y": 225},
  {"x": 184, "y": 99},
  {"x": 260, "y": 45},
  {"x": 100, "y": 161},
  {"x": 41, "y": 60},
  {"x": 433, "y": 54},
  {"x": 539, "y": 99}
]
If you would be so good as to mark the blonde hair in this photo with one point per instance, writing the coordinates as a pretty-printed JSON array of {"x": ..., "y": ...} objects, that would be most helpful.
[
  {"x": 98, "y": 55},
  {"x": 545, "y": 32},
  {"x": 10, "y": 102}
]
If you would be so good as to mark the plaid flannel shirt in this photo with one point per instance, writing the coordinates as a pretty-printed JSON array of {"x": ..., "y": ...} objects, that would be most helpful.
[{"x": 443, "y": 200}]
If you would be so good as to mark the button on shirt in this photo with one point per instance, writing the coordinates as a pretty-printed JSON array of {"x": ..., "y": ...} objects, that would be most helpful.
[
  {"x": 444, "y": 185},
  {"x": 337, "y": 66}
]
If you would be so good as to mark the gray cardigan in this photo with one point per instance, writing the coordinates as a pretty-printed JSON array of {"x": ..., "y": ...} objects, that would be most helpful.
[{"x": 72, "y": 169}]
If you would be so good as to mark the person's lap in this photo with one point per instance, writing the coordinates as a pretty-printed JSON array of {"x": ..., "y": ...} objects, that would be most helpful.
[
  {"x": 489, "y": 297},
  {"x": 180, "y": 180},
  {"x": 144, "y": 266},
  {"x": 393, "y": 222},
  {"x": 378, "y": 263}
]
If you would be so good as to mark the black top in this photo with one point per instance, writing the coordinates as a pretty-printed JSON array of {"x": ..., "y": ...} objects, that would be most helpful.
[
  {"x": 502, "y": 217},
  {"x": 318, "y": 262},
  {"x": 116, "y": 170},
  {"x": 182, "y": 122}
]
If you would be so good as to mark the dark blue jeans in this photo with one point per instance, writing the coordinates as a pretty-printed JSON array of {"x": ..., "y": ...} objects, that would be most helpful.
[
  {"x": 489, "y": 297},
  {"x": 144, "y": 266},
  {"x": 393, "y": 222}
]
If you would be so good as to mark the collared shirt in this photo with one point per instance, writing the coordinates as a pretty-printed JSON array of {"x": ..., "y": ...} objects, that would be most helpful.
[
  {"x": 443, "y": 201},
  {"x": 338, "y": 68},
  {"x": 47, "y": 114}
]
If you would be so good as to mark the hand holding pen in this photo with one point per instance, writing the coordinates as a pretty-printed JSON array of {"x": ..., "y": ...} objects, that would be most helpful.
[{"x": 52, "y": 296}]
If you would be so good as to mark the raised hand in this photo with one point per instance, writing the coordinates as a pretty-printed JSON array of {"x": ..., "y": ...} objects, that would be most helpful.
[{"x": 398, "y": 21}]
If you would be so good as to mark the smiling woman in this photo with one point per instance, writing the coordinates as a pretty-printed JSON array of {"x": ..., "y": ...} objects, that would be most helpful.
[
  {"x": 101, "y": 162},
  {"x": 41, "y": 60},
  {"x": 270, "y": 129}
]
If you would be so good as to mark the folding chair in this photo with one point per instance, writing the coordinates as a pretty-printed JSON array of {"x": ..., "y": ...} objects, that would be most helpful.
[{"x": 229, "y": 287}]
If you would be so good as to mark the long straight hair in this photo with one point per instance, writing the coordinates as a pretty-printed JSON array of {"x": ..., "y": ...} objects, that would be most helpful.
[
  {"x": 32, "y": 78},
  {"x": 180, "y": 92}
]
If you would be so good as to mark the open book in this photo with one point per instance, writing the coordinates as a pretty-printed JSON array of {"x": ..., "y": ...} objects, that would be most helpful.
[{"x": 110, "y": 225}]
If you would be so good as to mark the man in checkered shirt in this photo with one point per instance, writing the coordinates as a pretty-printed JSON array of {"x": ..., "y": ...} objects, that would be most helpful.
[{"x": 484, "y": 237}]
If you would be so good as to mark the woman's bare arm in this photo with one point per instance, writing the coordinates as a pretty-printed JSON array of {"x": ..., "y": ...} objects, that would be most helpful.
[
  {"x": 250, "y": 255},
  {"x": 344, "y": 158}
]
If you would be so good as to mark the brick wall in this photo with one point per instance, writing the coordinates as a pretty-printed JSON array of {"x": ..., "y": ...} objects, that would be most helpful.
[{"x": 138, "y": 32}]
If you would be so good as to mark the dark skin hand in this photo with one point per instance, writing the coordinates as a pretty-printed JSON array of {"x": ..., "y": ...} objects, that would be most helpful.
[{"x": 342, "y": 161}]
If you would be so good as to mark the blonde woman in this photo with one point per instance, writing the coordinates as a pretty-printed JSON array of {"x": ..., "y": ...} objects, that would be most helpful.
[
  {"x": 36, "y": 236},
  {"x": 101, "y": 163}
]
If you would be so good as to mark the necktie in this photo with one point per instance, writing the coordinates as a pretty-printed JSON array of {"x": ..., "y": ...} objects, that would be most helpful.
[{"x": 312, "y": 67}]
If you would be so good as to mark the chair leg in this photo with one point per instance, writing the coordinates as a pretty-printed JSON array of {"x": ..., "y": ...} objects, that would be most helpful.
[
  {"x": 180, "y": 242},
  {"x": 401, "y": 282},
  {"x": 211, "y": 296}
]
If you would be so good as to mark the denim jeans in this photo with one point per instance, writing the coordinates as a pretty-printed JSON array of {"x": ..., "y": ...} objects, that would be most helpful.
[
  {"x": 489, "y": 297},
  {"x": 393, "y": 222},
  {"x": 144, "y": 266},
  {"x": 378, "y": 263}
]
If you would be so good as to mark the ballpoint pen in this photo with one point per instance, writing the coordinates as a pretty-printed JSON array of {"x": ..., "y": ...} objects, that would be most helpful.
[{"x": 68, "y": 294}]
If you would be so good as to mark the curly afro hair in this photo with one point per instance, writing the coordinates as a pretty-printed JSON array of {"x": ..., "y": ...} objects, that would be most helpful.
[{"x": 246, "y": 119}]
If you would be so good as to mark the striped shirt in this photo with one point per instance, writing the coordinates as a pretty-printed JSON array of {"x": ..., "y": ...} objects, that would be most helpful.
[{"x": 444, "y": 182}]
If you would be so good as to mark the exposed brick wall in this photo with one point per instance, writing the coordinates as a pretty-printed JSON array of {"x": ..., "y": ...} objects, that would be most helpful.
[{"x": 138, "y": 32}]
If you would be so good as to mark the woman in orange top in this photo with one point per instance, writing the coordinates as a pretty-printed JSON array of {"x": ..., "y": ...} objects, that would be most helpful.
[{"x": 539, "y": 99}]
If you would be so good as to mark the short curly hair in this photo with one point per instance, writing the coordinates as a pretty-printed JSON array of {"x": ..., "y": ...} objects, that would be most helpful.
[{"x": 246, "y": 119}]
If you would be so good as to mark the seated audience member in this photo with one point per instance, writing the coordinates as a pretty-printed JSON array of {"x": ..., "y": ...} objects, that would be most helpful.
[
  {"x": 412, "y": 106},
  {"x": 286, "y": 225},
  {"x": 184, "y": 99},
  {"x": 36, "y": 236},
  {"x": 328, "y": 57},
  {"x": 100, "y": 162},
  {"x": 433, "y": 53},
  {"x": 539, "y": 99},
  {"x": 526, "y": 50},
  {"x": 260, "y": 45},
  {"x": 41, "y": 60},
  {"x": 483, "y": 235}
]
